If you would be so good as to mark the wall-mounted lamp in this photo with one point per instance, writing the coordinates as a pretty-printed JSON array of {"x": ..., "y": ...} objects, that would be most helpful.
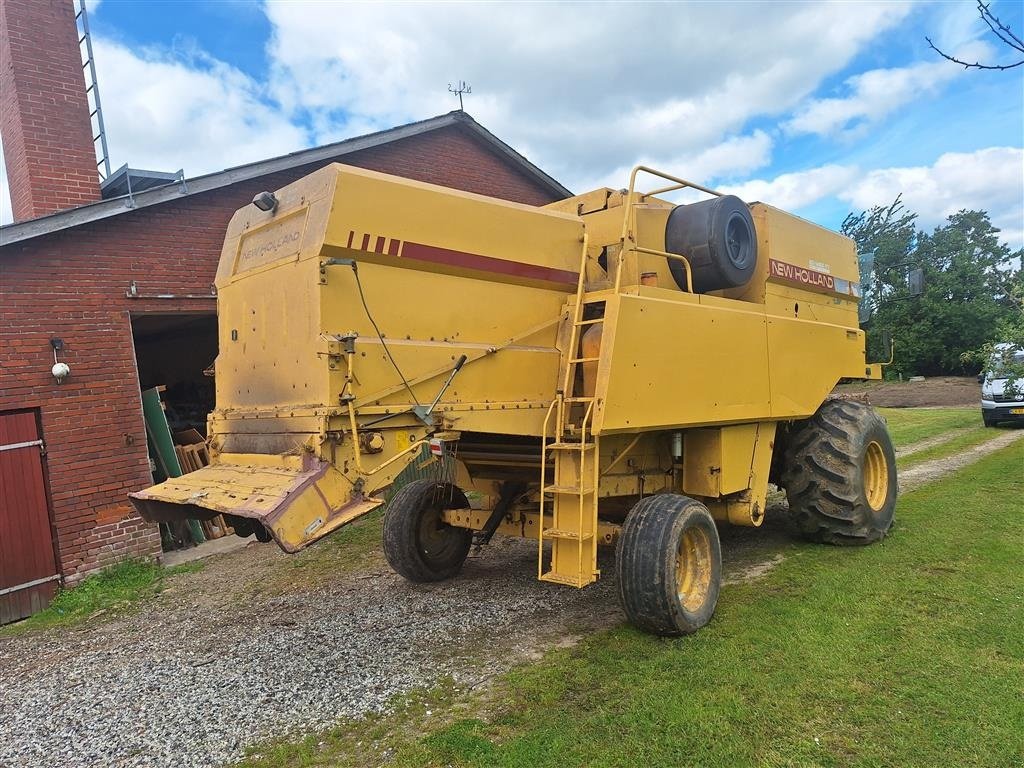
[{"x": 60, "y": 370}]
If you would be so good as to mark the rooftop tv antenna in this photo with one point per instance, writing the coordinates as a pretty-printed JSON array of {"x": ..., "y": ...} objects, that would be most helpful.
[
  {"x": 463, "y": 87},
  {"x": 92, "y": 91}
]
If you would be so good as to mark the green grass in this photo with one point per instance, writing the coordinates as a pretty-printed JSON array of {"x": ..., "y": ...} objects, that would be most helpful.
[
  {"x": 361, "y": 742},
  {"x": 961, "y": 442},
  {"x": 348, "y": 549},
  {"x": 906, "y": 653},
  {"x": 117, "y": 588},
  {"x": 911, "y": 425}
]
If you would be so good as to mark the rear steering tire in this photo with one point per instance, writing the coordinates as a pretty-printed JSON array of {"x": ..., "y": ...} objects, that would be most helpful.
[
  {"x": 840, "y": 475},
  {"x": 418, "y": 544},
  {"x": 669, "y": 565}
]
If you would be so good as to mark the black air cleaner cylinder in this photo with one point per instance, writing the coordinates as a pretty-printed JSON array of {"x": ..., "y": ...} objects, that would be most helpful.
[{"x": 718, "y": 238}]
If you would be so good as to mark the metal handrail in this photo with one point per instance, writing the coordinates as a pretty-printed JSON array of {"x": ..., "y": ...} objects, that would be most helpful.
[
  {"x": 543, "y": 465},
  {"x": 582, "y": 481},
  {"x": 628, "y": 224},
  {"x": 577, "y": 313}
]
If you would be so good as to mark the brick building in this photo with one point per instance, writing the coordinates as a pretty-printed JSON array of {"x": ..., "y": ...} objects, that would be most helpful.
[{"x": 124, "y": 282}]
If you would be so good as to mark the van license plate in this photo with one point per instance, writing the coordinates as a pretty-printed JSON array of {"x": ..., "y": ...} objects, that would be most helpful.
[{"x": 1017, "y": 411}]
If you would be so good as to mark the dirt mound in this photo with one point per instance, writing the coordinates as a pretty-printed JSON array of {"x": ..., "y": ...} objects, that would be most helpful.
[{"x": 948, "y": 391}]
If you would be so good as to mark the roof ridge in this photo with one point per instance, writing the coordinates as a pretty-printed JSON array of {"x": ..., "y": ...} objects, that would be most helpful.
[{"x": 103, "y": 209}]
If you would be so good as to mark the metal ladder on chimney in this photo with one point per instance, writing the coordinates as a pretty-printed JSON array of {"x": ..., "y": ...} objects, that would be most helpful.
[
  {"x": 92, "y": 91},
  {"x": 573, "y": 494}
]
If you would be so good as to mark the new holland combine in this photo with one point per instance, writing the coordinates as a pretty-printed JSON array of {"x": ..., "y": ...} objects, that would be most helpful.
[{"x": 611, "y": 369}]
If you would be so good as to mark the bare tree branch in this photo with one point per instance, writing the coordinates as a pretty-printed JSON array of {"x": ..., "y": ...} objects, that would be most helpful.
[
  {"x": 987, "y": 15},
  {"x": 1000, "y": 30}
]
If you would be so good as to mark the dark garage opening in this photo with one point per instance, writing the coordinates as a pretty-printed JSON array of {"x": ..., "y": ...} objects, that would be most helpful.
[{"x": 175, "y": 353}]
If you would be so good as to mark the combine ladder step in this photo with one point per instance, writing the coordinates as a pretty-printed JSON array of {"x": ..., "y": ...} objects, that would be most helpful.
[
  {"x": 561, "y": 533},
  {"x": 570, "y": 557},
  {"x": 573, "y": 489},
  {"x": 569, "y": 581}
]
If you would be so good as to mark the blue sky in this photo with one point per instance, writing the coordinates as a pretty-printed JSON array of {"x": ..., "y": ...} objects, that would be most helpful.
[{"x": 818, "y": 108}]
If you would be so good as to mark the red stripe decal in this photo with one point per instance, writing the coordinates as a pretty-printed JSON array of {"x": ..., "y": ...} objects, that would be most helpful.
[
  {"x": 464, "y": 260},
  {"x": 393, "y": 246},
  {"x": 379, "y": 245},
  {"x": 366, "y": 243},
  {"x": 351, "y": 235}
]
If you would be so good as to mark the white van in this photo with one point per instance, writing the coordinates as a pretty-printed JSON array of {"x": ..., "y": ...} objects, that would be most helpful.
[{"x": 998, "y": 404}]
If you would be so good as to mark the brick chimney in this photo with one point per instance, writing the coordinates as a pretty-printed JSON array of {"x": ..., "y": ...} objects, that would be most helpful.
[{"x": 44, "y": 110}]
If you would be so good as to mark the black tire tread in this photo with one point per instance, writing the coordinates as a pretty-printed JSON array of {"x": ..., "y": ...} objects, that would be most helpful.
[
  {"x": 822, "y": 474},
  {"x": 646, "y": 581},
  {"x": 401, "y": 525}
]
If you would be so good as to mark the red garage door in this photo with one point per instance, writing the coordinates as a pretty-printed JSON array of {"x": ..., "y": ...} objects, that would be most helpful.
[{"x": 28, "y": 568}]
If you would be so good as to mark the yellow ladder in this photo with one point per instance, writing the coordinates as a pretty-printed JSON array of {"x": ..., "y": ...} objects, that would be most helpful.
[{"x": 573, "y": 493}]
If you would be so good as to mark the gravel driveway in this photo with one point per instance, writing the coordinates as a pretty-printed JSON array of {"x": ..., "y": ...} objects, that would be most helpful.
[
  {"x": 213, "y": 664},
  {"x": 192, "y": 679}
]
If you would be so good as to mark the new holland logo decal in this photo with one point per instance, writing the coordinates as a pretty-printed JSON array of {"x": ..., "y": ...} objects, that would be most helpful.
[{"x": 812, "y": 278}]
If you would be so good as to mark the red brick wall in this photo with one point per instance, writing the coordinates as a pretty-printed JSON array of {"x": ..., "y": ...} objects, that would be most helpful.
[
  {"x": 72, "y": 285},
  {"x": 44, "y": 111},
  {"x": 453, "y": 157}
]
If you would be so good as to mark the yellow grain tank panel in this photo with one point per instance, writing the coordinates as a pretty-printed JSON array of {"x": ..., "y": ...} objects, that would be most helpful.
[{"x": 680, "y": 363}]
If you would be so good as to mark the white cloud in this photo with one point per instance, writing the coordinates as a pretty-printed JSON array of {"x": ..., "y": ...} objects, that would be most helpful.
[
  {"x": 874, "y": 95},
  {"x": 582, "y": 90},
  {"x": 735, "y": 156},
  {"x": 791, "y": 191},
  {"x": 878, "y": 93},
  {"x": 989, "y": 179},
  {"x": 165, "y": 111},
  {"x": 585, "y": 91}
]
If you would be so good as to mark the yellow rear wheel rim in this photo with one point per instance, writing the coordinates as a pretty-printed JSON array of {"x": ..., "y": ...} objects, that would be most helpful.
[
  {"x": 876, "y": 476},
  {"x": 693, "y": 569}
]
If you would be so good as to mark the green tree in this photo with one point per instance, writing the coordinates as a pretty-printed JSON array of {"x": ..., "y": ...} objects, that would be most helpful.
[
  {"x": 968, "y": 280},
  {"x": 886, "y": 238},
  {"x": 998, "y": 354}
]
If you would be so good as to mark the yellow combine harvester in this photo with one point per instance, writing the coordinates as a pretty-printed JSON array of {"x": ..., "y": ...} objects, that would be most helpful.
[{"x": 608, "y": 368}]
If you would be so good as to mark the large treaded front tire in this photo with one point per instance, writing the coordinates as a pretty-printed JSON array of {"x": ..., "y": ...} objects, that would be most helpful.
[
  {"x": 654, "y": 562},
  {"x": 418, "y": 544},
  {"x": 839, "y": 474}
]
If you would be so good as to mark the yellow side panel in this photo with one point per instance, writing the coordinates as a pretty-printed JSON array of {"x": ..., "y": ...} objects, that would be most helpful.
[
  {"x": 406, "y": 214},
  {"x": 259, "y": 240},
  {"x": 807, "y": 360},
  {"x": 429, "y": 320},
  {"x": 680, "y": 363},
  {"x": 269, "y": 328},
  {"x": 791, "y": 240},
  {"x": 717, "y": 461}
]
